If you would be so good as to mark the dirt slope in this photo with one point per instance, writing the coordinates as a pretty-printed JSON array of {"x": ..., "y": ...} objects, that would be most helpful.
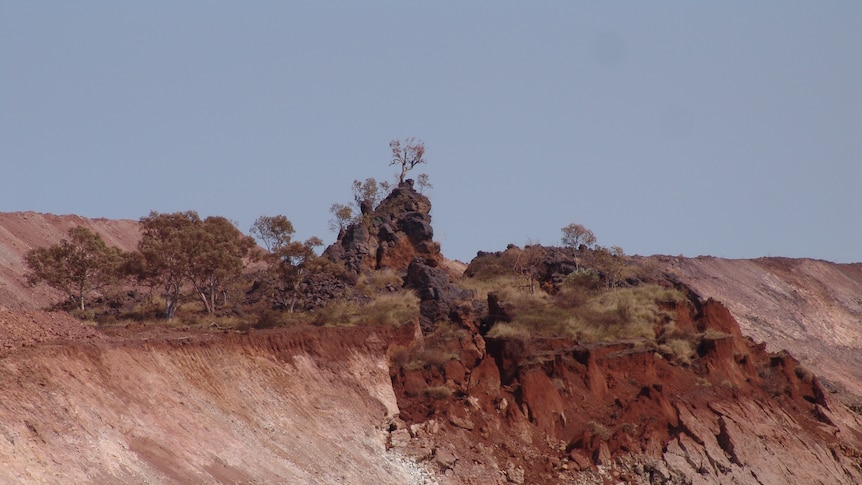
[
  {"x": 198, "y": 408},
  {"x": 22, "y": 231},
  {"x": 811, "y": 308},
  {"x": 161, "y": 405}
]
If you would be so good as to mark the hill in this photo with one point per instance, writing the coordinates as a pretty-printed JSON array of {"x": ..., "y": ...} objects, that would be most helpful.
[
  {"x": 432, "y": 402},
  {"x": 811, "y": 308},
  {"x": 22, "y": 231}
]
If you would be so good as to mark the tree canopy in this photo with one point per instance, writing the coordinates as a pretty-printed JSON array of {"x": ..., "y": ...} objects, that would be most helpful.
[
  {"x": 77, "y": 266},
  {"x": 189, "y": 257},
  {"x": 407, "y": 153}
]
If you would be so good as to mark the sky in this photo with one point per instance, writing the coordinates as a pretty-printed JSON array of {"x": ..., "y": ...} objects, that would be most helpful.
[{"x": 731, "y": 129}]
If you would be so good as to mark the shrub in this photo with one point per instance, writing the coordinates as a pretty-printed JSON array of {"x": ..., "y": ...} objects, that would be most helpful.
[
  {"x": 437, "y": 392},
  {"x": 428, "y": 358},
  {"x": 270, "y": 319},
  {"x": 508, "y": 331},
  {"x": 804, "y": 374},
  {"x": 677, "y": 350},
  {"x": 598, "y": 429},
  {"x": 378, "y": 281},
  {"x": 385, "y": 309}
]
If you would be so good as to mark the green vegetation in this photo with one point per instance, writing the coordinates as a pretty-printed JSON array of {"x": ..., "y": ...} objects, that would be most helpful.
[
  {"x": 582, "y": 291},
  {"x": 187, "y": 257},
  {"x": 78, "y": 266}
]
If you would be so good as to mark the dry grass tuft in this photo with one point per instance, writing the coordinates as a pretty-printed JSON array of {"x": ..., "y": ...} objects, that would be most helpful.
[
  {"x": 627, "y": 313},
  {"x": 385, "y": 309}
]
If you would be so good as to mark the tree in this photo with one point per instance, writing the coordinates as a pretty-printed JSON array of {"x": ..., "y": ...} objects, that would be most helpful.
[
  {"x": 366, "y": 195},
  {"x": 288, "y": 260},
  {"x": 575, "y": 236},
  {"x": 77, "y": 266},
  {"x": 423, "y": 183},
  {"x": 220, "y": 255},
  {"x": 407, "y": 154},
  {"x": 189, "y": 257},
  {"x": 293, "y": 262},
  {"x": 342, "y": 217},
  {"x": 273, "y": 231},
  {"x": 529, "y": 264},
  {"x": 611, "y": 263}
]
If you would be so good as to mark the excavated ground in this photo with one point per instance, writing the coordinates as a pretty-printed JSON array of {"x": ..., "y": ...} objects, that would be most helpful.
[
  {"x": 174, "y": 406},
  {"x": 318, "y": 405},
  {"x": 812, "y": 308}
]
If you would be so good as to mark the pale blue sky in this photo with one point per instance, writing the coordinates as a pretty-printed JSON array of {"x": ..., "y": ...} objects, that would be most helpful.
[{"x": 725, "y": 128}]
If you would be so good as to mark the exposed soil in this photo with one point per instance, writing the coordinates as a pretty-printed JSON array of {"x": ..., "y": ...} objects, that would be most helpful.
[
  {"x": 196, "y": 407},
  {"x": 812, "y": 308},
  {"x": 22, "y": 231},
  {"x": 160, "y": 404}
]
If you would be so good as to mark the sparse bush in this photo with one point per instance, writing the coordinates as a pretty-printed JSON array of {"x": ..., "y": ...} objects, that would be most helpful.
[
  {"x": 715, "y": 334},
  {"x": 270, "y": 319},
  {"x": 592, "y": 316},
  {"x": 630, "y": 429},
  {"x": 628, "y": 312},
  {"x": 84, "y": 315},
  {"x": 804, "y": 374},
  {"x": 437, "y": 392},
  {"x": 429, "y": 358},
  {"x": 508, "y": 331},
  {"x": 582, "y": 278},
  {"x": 598, "y": 429},
  {"x": 488, "y": 266},
  {"x": 482, "y": 286},
  {"x": 379, "y": 281},
  {"x": 677, "y": 350},
  {"x": 385, "y": 309},
  {"x": 399, "y": 356}
]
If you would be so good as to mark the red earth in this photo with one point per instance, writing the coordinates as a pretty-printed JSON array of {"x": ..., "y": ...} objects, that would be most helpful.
[{"x": 173, "y": 404}]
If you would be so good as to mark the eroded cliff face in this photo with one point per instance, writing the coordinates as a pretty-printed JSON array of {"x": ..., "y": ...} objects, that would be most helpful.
[
  {"x": 429, "y": 403},
  {"x": 145, "y": 406},
  {"x": 810, "y": 308},
  {"x": 555, "y": 411}
]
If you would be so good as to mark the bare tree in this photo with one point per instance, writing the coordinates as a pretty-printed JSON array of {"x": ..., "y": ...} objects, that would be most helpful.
[
  {"x": 423, "y": 183},
  {"x": 407, "y": 153}
]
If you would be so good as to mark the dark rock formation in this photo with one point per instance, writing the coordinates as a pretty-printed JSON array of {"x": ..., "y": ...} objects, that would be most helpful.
[
  {"x": 389, "y": 236},
  {"x": 438, "y": 297}
]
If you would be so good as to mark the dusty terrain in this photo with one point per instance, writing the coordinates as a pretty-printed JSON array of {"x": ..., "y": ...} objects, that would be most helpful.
[
  {"x": 812, "y": 308},
  {"x": 196, "y": 408},
  {"x": 22, "y": 231},
  {"x": 144, "y": 404}
]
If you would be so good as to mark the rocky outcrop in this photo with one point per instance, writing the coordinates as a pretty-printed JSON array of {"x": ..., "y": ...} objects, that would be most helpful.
[
  {"x": 389, "y": 236},
  {"x": 565, "y": 412},
  {"x": 811, "y": 308},
  {"x": 439, "y": 299}
]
